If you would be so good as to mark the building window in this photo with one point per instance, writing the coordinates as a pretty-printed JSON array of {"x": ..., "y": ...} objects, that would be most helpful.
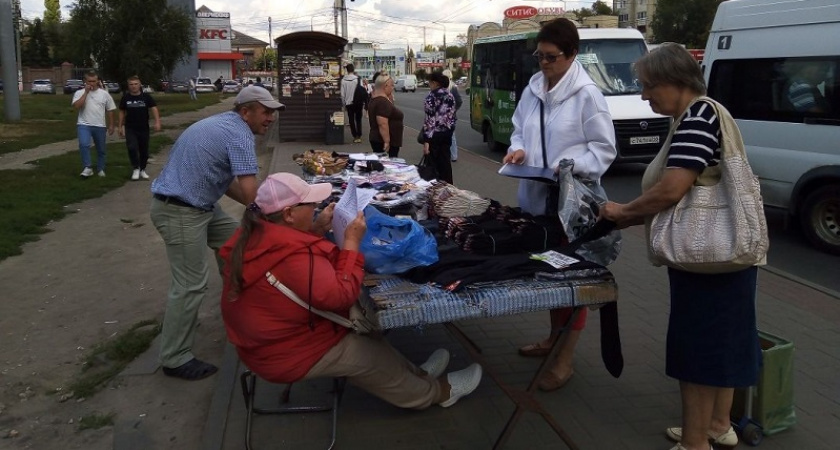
[{"x": 623, "y": 17}]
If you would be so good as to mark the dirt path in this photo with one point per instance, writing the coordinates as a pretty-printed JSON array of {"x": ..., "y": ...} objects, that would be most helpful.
[{"x": 98, "y": 272}]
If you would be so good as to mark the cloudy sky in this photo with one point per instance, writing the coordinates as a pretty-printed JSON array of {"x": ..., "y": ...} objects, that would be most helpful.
[{"x": 390, "y": 23}]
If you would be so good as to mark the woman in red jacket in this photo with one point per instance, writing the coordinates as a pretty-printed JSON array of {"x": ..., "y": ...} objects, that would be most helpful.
[{"x": 284, "y": 342}]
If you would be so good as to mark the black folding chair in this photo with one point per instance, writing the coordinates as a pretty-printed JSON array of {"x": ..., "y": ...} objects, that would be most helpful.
[{"x": 248, "y": 380}]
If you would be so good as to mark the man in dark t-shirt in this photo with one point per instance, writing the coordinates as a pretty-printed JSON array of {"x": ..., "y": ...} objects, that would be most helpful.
[{"x": 134, "y": 125}]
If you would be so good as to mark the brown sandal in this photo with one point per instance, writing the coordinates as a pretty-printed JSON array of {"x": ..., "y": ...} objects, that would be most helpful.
[
  {"x": 535, "y": 350},
  {"x": 551, "y": 382}
]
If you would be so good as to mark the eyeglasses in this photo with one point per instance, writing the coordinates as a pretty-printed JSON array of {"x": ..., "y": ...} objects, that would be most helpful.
[{"x": 548, "y": 57}]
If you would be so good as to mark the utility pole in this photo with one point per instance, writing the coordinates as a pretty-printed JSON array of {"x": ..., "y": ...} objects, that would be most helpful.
[
  {"x": 270, "y": 45},
  {"x": 18, "y": 35},
  {"x": 344, "y": 19},
  {"x": 11, "y": 97},
  {"x": 336, "y": 7}
]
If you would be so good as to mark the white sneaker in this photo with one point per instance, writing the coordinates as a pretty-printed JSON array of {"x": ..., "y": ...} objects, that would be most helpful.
[
  {"x": 436, "y": 363},
  {"x": 101, "y": 173},
  {"x": 135, "y": 175},
  {"x": 144, "y": 175},
  {"x": 87, "y": 172},
  {"x": 728, "y": 439},
  {"x": 462, "y": 383}
]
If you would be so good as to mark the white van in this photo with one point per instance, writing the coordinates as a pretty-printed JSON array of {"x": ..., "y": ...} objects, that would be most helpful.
[
  {"x": 776, "y": 68},
  {"x": 406, "y": 83}
]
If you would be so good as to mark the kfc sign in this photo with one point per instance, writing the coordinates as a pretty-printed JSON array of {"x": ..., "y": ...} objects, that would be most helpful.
[
  {"x": 213, "y": 33},
  {"x": 520, "y": 12}
]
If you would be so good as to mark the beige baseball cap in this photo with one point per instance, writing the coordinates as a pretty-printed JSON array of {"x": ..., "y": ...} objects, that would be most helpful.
[{"x": 258, "y": 94}]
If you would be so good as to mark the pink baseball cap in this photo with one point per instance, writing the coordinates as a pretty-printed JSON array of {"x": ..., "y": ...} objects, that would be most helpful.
[{"x": 282, "y": 190}]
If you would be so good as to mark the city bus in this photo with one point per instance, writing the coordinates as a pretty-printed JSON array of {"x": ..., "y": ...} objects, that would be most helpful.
[{"x": 503, "y": 65}]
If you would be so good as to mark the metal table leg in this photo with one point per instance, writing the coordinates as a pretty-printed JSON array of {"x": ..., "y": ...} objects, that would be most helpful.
[{"x": 524, "y": 399}]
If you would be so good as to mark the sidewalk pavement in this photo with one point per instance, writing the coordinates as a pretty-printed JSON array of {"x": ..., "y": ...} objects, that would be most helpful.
[{"x": 597, "y": 410}]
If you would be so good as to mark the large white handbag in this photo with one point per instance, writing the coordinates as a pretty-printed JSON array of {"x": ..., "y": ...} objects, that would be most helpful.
[{"x": 719, "y": 225}]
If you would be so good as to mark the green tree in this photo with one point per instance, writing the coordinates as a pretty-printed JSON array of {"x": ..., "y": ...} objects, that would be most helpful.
[
  {"x": 266, "y": 61},
  {"x": 35, "y": 50},
  {"x": 52, "y": 29},
  {"x": 601, "y": 9},
  {"x": 107, "y": 34},
  {"x": 52, "y": 12},
  {"x": 684, "y": 21},
  {"x": 455, "y": 51}
]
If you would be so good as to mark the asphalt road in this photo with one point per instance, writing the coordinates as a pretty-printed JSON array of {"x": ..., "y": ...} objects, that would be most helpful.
[{"x": 789, "y": 252}]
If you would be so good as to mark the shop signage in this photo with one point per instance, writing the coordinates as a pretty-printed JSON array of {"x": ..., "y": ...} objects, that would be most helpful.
[
  {"x": 527, "y": 12},
  {"x": 520, "y": 12},
  {"x": 213, "y": 15},
  {"x": 213, "y": 34}
]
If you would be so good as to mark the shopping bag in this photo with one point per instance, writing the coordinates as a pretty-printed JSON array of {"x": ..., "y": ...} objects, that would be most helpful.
[
  {"x": 577, "y": 207},
  {"x": 392, "y": 245}
]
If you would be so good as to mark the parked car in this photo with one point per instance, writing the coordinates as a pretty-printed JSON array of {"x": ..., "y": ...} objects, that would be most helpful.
[
  {"x": 163, "y": 85},
  {"x": 71, "y": 86},
  {"x": 148, "y": 89},
  {"x": 204, "y": 85},
  {"x": 43, "y": 87},
  {"x": 178, "y": 86},
  {"x": 231, "y": 87},
  {"x": 113, "y": 87}
]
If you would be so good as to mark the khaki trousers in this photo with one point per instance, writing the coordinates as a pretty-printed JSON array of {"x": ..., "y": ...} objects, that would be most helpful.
[{"x": 375, "y": 366}]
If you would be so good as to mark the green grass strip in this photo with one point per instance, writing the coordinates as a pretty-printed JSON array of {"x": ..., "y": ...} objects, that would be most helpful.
[{"x": 32, "y": 198}]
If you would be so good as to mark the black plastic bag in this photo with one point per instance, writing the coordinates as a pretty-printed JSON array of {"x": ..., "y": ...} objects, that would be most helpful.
[{"x": 426, "y": 168}]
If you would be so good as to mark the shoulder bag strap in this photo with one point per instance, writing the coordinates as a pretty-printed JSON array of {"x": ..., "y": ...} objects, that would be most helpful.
[
  {"x": 343, "y": 321},
  {"x": 542, "y": 135}
]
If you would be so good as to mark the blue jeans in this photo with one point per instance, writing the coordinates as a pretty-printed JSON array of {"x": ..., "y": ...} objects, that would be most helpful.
[
  {"x": 87, "y": 134},
  {"x": 453, "y": 150}
]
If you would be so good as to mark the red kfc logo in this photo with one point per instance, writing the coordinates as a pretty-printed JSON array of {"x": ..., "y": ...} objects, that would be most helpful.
[{"x": 213, "y": 34}]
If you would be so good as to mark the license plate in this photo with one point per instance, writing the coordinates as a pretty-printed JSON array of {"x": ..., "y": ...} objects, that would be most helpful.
[{"x": 644, "y": 140}]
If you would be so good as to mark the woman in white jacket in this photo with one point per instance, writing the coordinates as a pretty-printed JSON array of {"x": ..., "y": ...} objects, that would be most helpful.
[{"x": 561, "y": 115}]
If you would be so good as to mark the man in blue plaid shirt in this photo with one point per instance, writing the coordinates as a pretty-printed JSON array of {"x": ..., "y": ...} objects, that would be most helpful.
[{"x": 215, "y": 156}]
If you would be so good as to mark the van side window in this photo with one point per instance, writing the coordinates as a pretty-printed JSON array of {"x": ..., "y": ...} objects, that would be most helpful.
[{"x": 796, "y": 90}]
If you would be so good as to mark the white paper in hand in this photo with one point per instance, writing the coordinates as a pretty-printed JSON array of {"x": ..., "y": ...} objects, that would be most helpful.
[{"x": 352, "y": 201}]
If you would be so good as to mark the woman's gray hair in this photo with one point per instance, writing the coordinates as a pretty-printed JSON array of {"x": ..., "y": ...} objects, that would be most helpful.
[
  {"x": 379, "y": 84},
  {"x": 671, "y": 64}
]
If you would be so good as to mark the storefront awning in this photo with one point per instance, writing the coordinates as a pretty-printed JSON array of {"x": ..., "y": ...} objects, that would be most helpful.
[{"x": 209, "y": 56}]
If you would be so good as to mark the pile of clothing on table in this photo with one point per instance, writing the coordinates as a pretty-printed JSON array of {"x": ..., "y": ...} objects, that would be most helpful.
[{"x": 321, "y": 162}]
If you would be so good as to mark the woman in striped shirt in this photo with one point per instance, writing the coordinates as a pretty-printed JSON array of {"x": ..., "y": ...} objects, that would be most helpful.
[{"x": 712, "y": 344}]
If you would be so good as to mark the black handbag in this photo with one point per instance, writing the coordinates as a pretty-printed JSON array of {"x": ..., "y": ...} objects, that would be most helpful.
[{"x": 426, "y": 168}]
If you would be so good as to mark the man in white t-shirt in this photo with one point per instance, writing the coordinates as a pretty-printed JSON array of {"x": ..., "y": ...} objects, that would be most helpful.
[{"x": 95, "y": 105}]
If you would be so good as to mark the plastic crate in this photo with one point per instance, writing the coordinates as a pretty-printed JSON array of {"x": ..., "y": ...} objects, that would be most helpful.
[{"x": 773, "y": 396}]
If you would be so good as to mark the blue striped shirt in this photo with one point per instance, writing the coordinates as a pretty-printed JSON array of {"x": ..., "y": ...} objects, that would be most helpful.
[
  {"x": 696, "y": 142},
  {"x": 206, "y": 158}
]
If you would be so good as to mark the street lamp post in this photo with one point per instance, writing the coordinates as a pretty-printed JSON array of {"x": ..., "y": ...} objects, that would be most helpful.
[{"x": 444, "y": 42}]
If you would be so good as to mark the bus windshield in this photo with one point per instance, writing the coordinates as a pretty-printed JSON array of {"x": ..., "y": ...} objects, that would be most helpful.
[{"x": 610, "y": 64}]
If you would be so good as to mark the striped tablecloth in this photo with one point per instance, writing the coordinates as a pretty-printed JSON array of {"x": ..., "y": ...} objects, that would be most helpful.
[{"x": 400, "y": 303}]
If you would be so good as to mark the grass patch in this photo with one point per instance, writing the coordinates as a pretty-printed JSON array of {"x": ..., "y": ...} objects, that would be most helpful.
[
  {"x": 96, "y": 421},
  {"x": 51, "y": 118},
  {"x": 108, "y": 359},
  {"x": 31, "y": 198}
]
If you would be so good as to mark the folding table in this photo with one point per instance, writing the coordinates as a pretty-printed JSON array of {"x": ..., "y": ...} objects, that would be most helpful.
[{"x": 399, "y": 303}]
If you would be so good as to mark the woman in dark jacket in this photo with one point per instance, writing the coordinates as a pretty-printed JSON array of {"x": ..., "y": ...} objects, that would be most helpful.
[{"x": 439, "y": 125}]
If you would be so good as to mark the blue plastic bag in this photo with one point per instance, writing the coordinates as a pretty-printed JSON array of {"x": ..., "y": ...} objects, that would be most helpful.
[{"x": 393, "y": 245}]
